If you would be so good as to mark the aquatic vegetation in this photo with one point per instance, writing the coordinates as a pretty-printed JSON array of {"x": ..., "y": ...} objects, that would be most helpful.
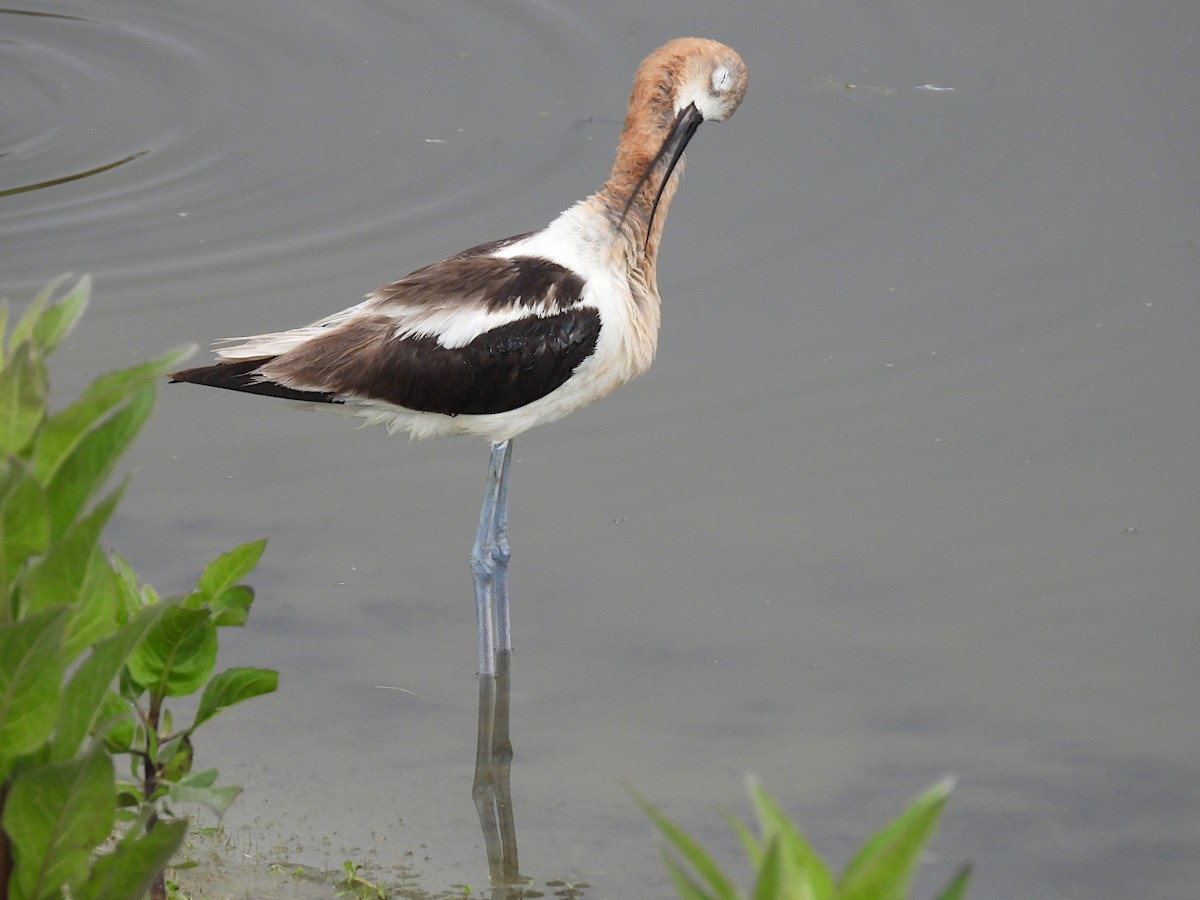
[
  {"x": 88, "y": 655},
  {"x": 787, "y": 868}
]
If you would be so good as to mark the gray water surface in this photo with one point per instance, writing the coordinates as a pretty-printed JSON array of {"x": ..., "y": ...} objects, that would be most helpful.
[{"x": 912, "y": 489}]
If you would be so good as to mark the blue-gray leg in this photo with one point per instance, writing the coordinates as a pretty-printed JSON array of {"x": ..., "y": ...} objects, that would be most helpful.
[{"x": 489, "y": 561}]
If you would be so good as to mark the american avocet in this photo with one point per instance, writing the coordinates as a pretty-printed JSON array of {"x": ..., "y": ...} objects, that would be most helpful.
[{"x": 518, "y": 332}]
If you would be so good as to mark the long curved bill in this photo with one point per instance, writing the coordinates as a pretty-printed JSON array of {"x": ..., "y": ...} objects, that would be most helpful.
[{"x": 685, "y": 126}]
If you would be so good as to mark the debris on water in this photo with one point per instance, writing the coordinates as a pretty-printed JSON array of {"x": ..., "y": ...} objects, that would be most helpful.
[{"x": 827, "y": 82}]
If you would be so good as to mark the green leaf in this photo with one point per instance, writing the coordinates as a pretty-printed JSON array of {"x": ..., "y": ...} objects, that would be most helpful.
[
  {"x": 178, "y": 654},
  {"x": 205, "y": 779},
  {"x": 114, "y": 723},
  {"x": 233, "y": 686},
  {"x": 232, "y": 607},
  {"x": 799, "y": 863},
  {"x": 957, "y": 888},
  {"x": 24, "y": 519},
  {"x": 83, "y": 699},
  {"x": 224, "y": 572},
  {"x": 56, "y": 815},
  {"x": 883, "y": 869},
  {"x": 100, "y": 610},
  {"x": 62, "y": 432},
  {"x": 179, "y": 755},
  {"x": 753, "y": 849},
  {"x": 126, "y": 872},
  {"x": 198, "y": 788},
  {"x": 23, "y": 330},
  {"x": 693, "y": 854},
  {"x": 773, "y": 878},
  {"x": 685, "y": 884},
  {"x": 62, "y": 574},
  {"x": 134, "y": 596},
  {"x": 83, "y": 472},
  {"x": 31, "y": 670},
  {"x": 57, "y": 321},
  {"x": 22, "y": 399}
]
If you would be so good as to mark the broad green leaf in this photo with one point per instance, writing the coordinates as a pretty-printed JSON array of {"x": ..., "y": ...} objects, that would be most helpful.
[
  {"x": 83, "y": 698},
  {"x": 55, "y": 816},
  {"x": 23, "y": 330},
  {"x": 883, "y": 869},
  {"x": 22, "y": 399},
  {"x": 693, "y": 854},
  {"x": 205, "y": 779},
  {"x": 85, "y": 469},
  {"x": 60, "y": 576},
  {"x": 128, "y": 688},
  {"x": 178, "y": 654},
  {"x": 24, "y": 518},
  {"x": 178, "y": 755},
  {"x": 129, "y": 794},
  {"x": 134, "y": 596},
  {"x": 233, "y": 686},
  {"x": 126, "y": 872},
  {"x": 31, "y": 671},
  {"x": 224, "y": 572},
  {"x": 58, "y": 319},
  {"x": 63, "y": 431},
  {"x": 232, "y": 607},
  {"x": 114, "y": 723},
  {"x": 199, "y": 789},
  {"x": 100, "y": 611}
]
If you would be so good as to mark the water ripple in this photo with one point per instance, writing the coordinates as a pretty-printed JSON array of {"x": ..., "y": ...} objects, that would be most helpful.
[{"x": 202, "y": 143}]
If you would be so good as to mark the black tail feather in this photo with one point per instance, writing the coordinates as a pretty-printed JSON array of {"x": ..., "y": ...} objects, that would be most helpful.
[{"x": 241, "y": 376}]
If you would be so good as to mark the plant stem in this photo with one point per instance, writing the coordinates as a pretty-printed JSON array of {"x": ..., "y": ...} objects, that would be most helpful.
[
  {"x": 158, "y": 887},
  {"x": 5, "y": 846}
]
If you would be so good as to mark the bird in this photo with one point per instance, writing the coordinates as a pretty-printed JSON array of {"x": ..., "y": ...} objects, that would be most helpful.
[{"x": 513, "y": 333}]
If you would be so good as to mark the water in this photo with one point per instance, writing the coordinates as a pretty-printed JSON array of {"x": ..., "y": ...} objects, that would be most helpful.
[{"x": 911, "y": 489}]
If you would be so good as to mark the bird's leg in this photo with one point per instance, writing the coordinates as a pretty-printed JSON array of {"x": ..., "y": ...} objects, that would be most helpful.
[
  {"x": 489, "y": 561},
  {"x": 501, "y": 554}
]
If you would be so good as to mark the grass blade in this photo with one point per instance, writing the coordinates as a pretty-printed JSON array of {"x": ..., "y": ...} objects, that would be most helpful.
[
  {"x": 957, "y": 888},
  {"x": 883, "y": 869},
  {"x": 691, "y": 851}
]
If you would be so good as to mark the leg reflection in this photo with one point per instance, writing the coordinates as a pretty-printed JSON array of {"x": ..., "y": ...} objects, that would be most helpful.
[{"x": 493, "y": 797}]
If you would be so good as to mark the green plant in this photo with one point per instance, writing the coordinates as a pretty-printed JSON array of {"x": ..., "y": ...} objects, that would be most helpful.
[
  {"x": 357, "y": 885},
  {"x": 88, "y": 655},
  {"x": 787, "y": 868}
]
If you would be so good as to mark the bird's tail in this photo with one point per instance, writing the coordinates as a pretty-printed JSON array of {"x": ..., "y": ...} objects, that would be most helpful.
[{"x": 243, "y": 375}]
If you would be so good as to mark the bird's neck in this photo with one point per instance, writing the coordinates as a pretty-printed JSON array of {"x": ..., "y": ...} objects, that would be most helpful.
[
  {"x": 629, "y": 195},
  {"x": 630, "y": 218}
]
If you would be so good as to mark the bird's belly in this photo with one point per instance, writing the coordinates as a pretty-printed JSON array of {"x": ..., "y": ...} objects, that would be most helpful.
[{"x": 611, "y": 365}]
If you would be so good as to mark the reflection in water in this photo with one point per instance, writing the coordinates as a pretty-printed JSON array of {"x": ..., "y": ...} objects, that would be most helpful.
[{"x": 493, "y": 797}]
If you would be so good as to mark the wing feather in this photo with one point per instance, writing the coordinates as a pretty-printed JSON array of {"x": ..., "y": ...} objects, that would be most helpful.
[{"x": 475, "y": 333}]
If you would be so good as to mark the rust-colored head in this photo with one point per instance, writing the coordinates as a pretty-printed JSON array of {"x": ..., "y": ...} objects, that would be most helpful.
[{"x": 681, "y": 84}]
